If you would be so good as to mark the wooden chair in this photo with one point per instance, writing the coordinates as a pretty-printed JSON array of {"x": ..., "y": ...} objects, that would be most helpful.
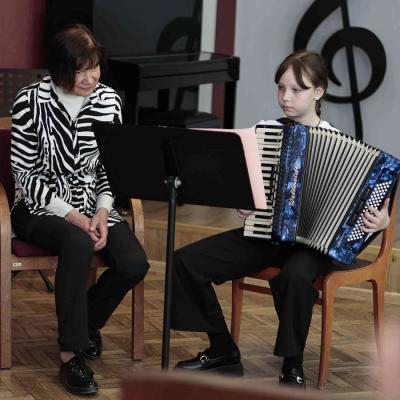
[
  {"x": 18, "y": 255},
  {"x": 185, "y": 386},
  {"x": 11, "y": 81},
  {"x": 5, "y": 123},
  {"x": 362, "y": 271}
]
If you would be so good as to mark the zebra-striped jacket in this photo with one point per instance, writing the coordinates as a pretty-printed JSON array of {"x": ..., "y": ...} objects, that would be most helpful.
[{"x": 55, "y": 159}]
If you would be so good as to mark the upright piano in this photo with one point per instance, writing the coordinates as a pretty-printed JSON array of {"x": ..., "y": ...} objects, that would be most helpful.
[{"x": 134, "y": 74}]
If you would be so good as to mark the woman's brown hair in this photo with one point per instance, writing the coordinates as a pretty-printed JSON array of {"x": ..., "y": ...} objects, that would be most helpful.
[
  {"x": 70, "y": 50},
  {"x": 310, "y": 64}
]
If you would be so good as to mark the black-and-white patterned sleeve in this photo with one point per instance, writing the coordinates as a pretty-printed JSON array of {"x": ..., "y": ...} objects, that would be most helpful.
[
  {"x": 24, "y": 152},
  {"x": 102, "y": 185},
  {"x": 118, "y": 110}
]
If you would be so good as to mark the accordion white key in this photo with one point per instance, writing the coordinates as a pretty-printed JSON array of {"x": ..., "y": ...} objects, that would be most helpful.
[{"x": 318, "y": 183}]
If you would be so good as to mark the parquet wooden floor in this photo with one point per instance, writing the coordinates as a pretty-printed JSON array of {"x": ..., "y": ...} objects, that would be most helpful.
[
  {"x": 217, "y": 217},
  {"x": 354, "y": 373}
]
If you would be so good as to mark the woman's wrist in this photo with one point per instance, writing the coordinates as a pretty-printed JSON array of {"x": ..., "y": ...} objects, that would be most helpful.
[
  {"x": 70, "y": 214},
  {"x": 59, "y": 207},
  {"x": 105, "y": 201},
  {"x": 102, "y": 211}
]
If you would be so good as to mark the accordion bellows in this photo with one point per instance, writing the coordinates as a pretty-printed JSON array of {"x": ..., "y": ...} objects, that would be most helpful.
[{"x": 318, "y": 183}]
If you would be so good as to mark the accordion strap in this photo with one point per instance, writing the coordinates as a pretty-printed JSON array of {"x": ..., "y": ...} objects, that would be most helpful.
[{"x": 285, "y": 121}]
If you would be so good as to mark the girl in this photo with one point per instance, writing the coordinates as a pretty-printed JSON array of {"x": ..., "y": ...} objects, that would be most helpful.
[{"x": 302, "y": 81}]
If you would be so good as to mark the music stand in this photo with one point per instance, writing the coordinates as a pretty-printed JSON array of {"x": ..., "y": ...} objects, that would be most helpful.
[{"x": 166, "y": 164}]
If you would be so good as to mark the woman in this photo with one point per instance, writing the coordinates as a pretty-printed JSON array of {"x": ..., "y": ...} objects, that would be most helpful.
[
  {"x": 302, "y": 81},
  {"x": 63, "y": 198}
]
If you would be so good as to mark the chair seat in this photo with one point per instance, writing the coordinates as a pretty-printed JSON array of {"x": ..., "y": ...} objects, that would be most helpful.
[{"x": 20, "y": 248}]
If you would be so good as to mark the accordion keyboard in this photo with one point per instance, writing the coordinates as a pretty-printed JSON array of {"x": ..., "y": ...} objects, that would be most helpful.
[{"x": 269, "y": 141}]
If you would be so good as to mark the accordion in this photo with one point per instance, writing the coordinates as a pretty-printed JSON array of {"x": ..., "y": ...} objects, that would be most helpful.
[{"x": 318, "y": 183}]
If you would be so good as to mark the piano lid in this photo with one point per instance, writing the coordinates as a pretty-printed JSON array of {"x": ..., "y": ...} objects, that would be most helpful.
[{"x": 173, "y": 64}]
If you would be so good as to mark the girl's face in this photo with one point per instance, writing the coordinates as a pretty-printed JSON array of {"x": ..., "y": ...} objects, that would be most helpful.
[
  {"x": 86, "y": 80},
  {"x": 297, "y": 103}
]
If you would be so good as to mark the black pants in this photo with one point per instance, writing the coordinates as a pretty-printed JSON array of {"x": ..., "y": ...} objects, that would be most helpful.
[
  {"x": 228, "y": 256},
  {"x": 78, "y": 308}
]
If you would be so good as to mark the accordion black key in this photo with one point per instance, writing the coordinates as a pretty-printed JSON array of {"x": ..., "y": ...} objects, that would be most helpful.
[{"x": 318, "y": 183}]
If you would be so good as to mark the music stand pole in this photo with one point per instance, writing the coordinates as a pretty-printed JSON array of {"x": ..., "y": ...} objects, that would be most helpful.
[{"x": 172, "y": 183}]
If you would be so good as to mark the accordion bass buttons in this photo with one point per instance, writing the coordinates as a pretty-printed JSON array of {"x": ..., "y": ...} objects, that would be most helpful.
[
  {"x": 375, "y": 199},
  {"x": 361, "y": 206},
  {"x": 367, "y": 192},
  {"x": 356, "y": 213}
]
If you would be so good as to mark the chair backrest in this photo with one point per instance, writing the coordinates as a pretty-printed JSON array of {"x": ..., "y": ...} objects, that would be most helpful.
[
  {"x": 6, "y": 176},
  {"x": 12, "y": 80}
]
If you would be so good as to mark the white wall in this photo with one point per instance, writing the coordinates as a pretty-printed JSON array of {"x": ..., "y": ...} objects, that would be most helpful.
[
  {"x": 264, "y": 36},
  {"x": 208, "y": 27}
]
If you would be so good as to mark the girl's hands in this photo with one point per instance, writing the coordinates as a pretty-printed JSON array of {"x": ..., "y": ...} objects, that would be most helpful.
[
  {"x": 376, "y": 220},
  {"x": 244, "y": 213}
]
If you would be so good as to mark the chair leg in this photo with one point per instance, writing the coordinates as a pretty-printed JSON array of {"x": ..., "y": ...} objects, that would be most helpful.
[
  {"x": 326, "y": 334},
  {"x": 237, "y": 303},
  {"x": 138, "y": 321},
  {"x": 46, "y": 280},
  {"x": 378, "y": 289},
  {"x": 5, "y": 317}
]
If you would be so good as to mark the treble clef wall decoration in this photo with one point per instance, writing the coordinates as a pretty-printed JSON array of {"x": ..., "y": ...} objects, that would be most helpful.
[{"x": 348, "y": 37}]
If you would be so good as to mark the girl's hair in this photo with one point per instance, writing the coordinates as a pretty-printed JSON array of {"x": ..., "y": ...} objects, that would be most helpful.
[
  {"x": 310, "y": 64},
  {"x": 70, "y": 50}
]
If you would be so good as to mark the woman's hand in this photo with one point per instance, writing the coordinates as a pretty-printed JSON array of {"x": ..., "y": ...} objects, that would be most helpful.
[
  {"x": 98, "y": 227},
  {"x": 376, "y": 220},
  {"x": 82, "y": 221},
  {"x": 244, "y": 213}
]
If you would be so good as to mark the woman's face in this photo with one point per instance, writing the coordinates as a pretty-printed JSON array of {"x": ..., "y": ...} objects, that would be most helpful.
[
  {"x": 297, "y": 103},
  {"x": 86, "y": 80}
]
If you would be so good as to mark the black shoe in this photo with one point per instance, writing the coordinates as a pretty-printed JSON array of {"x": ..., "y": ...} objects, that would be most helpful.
[
  {"x": 227, "y": 364},
  {"x": 293, "y": 377},
  {"x": 95, "y": 346},
  {"x": 77, "y": 377}
]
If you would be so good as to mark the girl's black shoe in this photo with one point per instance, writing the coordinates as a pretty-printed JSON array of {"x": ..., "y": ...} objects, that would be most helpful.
[
  {"x": 292, "y": 377},
  {"x": 226, "y": 364}
]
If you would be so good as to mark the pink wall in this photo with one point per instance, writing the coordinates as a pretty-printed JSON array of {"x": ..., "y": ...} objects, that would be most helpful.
[{"x": 22, "y": 25}]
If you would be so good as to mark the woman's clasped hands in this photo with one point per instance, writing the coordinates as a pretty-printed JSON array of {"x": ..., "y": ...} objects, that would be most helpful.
[{"x": 96, "y": 227}]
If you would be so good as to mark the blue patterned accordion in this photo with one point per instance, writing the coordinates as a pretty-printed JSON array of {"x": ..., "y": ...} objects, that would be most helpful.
[{"x": 318, "y": 183}]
